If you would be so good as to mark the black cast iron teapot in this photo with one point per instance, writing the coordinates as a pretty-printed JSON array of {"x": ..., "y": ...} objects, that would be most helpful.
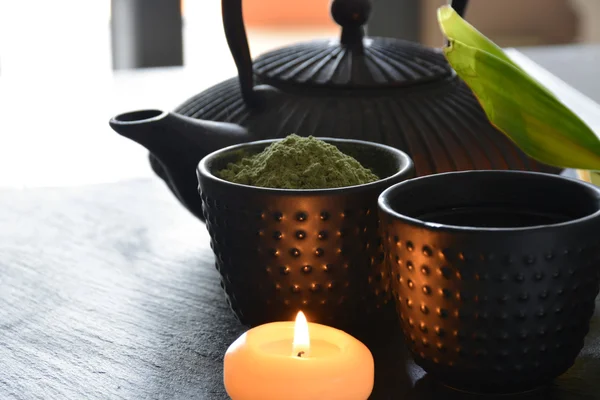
[{"x": 376, "y": 89}]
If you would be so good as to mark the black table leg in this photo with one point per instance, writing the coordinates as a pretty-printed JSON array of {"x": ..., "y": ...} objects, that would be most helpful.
[{"x": 146, "y": 33}]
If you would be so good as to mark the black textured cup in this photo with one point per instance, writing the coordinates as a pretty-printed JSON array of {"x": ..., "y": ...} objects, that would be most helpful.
[
  {"x": 280, "y": 251},
  {"x": 494, "y": 274}
]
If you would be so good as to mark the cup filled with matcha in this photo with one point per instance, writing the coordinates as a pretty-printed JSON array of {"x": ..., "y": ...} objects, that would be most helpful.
[{"x": 294, "y": 226}]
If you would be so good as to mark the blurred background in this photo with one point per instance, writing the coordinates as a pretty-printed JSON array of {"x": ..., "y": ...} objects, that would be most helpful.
[
  {"x": 67, "y": 66},
  {"x": 40, "y": 34}
]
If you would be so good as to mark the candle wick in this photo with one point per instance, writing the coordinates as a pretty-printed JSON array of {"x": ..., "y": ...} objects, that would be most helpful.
[{"x": 300, "y": 353}]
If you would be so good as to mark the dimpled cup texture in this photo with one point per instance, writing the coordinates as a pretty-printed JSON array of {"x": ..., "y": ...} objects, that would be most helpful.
[
  {"x": 279, "y": 251},
  {"x": 494, "y": 274}
]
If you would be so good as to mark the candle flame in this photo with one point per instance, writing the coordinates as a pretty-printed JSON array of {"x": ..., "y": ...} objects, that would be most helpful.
[{"x": 301, "y": 343}]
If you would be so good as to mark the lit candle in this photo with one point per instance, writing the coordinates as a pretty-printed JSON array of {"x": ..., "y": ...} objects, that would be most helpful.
[{"x": 298, "y": 361}]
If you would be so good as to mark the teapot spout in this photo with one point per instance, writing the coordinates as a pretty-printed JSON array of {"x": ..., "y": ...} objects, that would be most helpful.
[
  {"x": 177, "y": 144},
  {"x": 173, "y": 136}
]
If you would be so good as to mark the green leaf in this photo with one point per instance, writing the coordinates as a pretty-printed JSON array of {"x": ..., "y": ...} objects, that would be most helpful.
[
  {"x": 595, "y": 178},
  {"x": 589, "y": 176},
  {"x": 520, "y": 107},
  {"x": 456, "y": 28}
]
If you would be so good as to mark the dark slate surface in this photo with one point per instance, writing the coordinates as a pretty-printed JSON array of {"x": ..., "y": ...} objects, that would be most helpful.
[{"x": 109, "y": 292}]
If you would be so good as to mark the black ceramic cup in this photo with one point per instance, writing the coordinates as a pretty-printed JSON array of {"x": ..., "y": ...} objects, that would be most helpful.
[
  {"x": 280, "y": 251},
  {"x": 494, "y": 274}
]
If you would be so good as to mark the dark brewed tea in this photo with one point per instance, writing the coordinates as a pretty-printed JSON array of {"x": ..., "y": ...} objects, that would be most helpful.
[{"x": 492, "y": 217}]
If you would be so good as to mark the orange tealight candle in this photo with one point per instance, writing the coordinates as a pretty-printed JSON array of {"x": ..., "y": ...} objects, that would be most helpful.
[{"x": 298, "y": 361}]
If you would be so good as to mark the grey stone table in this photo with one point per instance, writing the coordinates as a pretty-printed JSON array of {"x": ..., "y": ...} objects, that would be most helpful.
[{"x": 109, "y": 292}]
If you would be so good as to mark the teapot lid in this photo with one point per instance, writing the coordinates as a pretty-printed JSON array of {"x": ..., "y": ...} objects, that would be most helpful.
[{"x": 353, "y": 61}]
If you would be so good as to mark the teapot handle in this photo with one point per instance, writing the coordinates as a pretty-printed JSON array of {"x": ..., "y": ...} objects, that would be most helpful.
[
  {"x": 350, "y": 14},
  {"x": 237, "y": 40}
]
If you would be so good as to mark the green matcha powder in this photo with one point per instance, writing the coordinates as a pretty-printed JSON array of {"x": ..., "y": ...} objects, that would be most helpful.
[{"x": 298, "y": 163}]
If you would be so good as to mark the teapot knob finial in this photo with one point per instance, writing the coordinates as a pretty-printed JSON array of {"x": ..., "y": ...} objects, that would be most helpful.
[{"x": 351, "y": 15}]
